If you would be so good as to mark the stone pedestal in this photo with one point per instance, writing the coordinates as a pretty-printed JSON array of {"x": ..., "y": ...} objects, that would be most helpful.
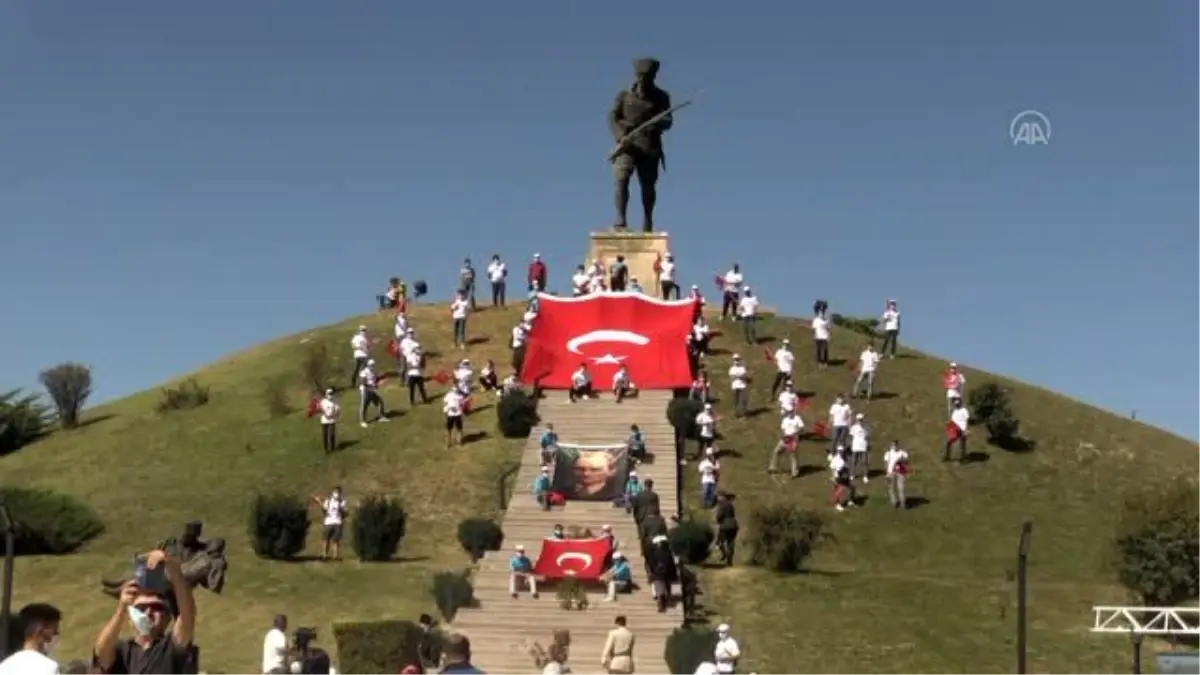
[{"x": 641, "y": 250}]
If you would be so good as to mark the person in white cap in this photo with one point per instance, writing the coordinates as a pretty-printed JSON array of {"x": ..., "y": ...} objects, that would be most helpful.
[
  {"x": 843, "y": 488},
  {"x": 330, "y": 411},
  {"x": 537, "y": 273},
  {"x": 790, "y": 428},
  {"x": 706, "y": 427},
  {"x": 701, "y": 335},
  {"x": 710, "y": 469},
  {"x": 454, "y": 405},
  {"x": 789, "y": 400},
  {"x": 542, "y": 487},
  {"x": 896, "y": 459},
  {"x": 748, "y": 313},
  {"x": 727, "y": 651},
  {"x": 868, "y": 363},
  {"x": 409, "y": 343},
  {"x": 464, "y": 377},
  {"x": 859, "y": 443},
  {"x": 698, "y": 298},
  {"x": 360, "y": 347},
  {"x": 520, "y": 572},
  {"x": 739, "y": 382},
  {"x": 891, "y": 329},
  {"x": 619, "y": 576},
  {"x": 785, "y": 364},
  {"x": 368, "y": 394},
  {"x": 955, "y": 384}
]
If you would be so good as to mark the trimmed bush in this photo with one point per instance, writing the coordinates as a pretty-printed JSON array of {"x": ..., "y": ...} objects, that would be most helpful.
[
  {"x": 991, "y": 407},
  {"x": 782, "y": 536},
  {"x": 516, "y": 414},
  {"x": 687, "y": 648},
  {"x": 279, "y": 526},
  {"x": 863, "y": 325},
  {"x": 377, "y": 646},
  {"x": 1158, "y": 544},
  {"x": 48, "y": 523},
  {"x": 691, "y": 541},
  {"x": 23, "y": 420},
  {"x": 681, "y": 413},
  {"x": 378, "y": 528},
  {"x": 69, "y": 386},
  {"x": 478, "y": 536},
  {"x": 451, "y": 592},
  {"x": 316, "y": 367},
  {"x": 189, "y": 394},
  {"x": 275, "y": 397}
]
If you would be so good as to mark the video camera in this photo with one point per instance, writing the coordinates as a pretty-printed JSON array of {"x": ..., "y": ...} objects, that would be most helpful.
[{"x": 303, "y": 637}]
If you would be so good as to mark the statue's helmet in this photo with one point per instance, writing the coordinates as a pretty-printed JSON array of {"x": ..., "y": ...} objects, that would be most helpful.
[{"x": 645, "y": 66}]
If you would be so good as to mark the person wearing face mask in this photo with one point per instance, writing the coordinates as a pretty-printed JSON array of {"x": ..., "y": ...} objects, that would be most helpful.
[
  {"x": 38, "y": 624},
  {"x": 162, "y": 637}
]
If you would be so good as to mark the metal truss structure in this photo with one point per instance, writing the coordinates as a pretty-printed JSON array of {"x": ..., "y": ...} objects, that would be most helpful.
[{"x": 1147, "y": 620}]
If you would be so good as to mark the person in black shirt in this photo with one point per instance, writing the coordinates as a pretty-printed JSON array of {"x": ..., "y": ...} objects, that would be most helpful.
[
  {"x": 163, "y": 626},
  {"x": 727, "y": 526},
  {"x": 618, "y": 275}
]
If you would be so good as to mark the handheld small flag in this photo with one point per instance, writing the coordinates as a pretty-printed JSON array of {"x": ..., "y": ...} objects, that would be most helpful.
[
  {"x": 466, "y": 406},
  {"x": 853, "y": 366},
  {"x": 953, "y": 433},
  {"x": 442, "y": 377},
  {"x": 314, "y": 406},
  {"x": 658, "y": 263},
  {"x": 719, "y": 281},
  {"x": 393, "y": 348},
  {"x": 803, "y": 402},
  {"x": 767, "y": 354},
  {"x": 820, "y": 430}
]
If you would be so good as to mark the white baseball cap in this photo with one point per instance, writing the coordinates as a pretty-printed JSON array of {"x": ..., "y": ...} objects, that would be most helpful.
[
  {"x": 520, "y": 547},
  {"x": 723, "y": 628},
  {"x": 953, "y": 364},
  {"x": 606, "y": 528},
  {"x": 617, "y": 555},
  {"x": 859, "y": 416},
  {"x": 370, "y": 362},
  {"x": 362, "y": 329}
]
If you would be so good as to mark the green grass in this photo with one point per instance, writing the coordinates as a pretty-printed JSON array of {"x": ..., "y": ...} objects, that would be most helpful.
[
  {"x": 927, "y": 590},
  {"x": 930, "y": 589},
  {"x": 146, "y": 474}
]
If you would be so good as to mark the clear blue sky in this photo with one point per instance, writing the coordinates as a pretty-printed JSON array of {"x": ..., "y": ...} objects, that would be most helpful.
[{"x": 183, "y": 180}]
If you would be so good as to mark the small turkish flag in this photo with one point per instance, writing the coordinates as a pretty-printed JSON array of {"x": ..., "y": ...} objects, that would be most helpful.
[
  {"x": 314, "y": 407},
  {"x": 720, "y": 282},
  {"x": 820, "y": 430},
  {"x": 767, "y": 354},
  {"x": 402, "y": 307},
  {"x": 442, "y": 377},
  {"x": 658, "y": 263},
  {"x": 953, "y": 433},
  {"x": 838, "y": 494},
  {"x": 790, "y": 444},
  {"x": 466, "y": 406},
  {"x": 802, "y": 403},
  {"x": 393, "y": 348}
]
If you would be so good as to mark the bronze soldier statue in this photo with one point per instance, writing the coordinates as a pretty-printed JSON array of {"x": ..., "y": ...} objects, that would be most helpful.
[
  {"x": 643, "y": 152},
  {"x": 203, "y": 562}
]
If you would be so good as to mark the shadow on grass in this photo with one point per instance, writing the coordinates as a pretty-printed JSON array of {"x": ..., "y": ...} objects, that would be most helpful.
[
  {"x": 876, "y": 473},
  {"x": 719, "y": 351},
  {"x": 915, "y": 502},
  {"x": 728, "y": 452},
  {"x": 766, "y": 340},
  {"x": 344, "y": 445},
  {"x": 976, "y": 457},
  {"x": 301, "y": 559},
  {"x": 398, "y": 560},
  {"x": 1017, "y": 445},
  {"x": 755, "y": 412},
  {"x": 83, "y": 424},
  {"x": 883, "y": 395},
  {"x": 474, "y": 436},
  {"x": 836, "y": 363},
  {"x": 479, "y": 409},
  {"x": 478, "y": 341}
]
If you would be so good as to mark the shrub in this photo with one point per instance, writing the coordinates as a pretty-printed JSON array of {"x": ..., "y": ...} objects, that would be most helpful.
[
  {"x": 69, "y": 386},
  {"x": 478, "y": 536},
  {"x": 275, "y": 397},
  {"x": 681, "y": 413},
  {"x": 691, "y": 541},
  {"x": 687, "y": 648},
  {"x": 378, "y": 528},
  {"x": 279, "y": 526},
  {"x": 783, "y": 536},
  {"x": 316, "y": 367},
  {"x": 451, "y": 592},
  {"x": 1157, "y": 544},
  {"x": 23, "y": 420},
  {"x": 377, "y": 646},
  {"x": 516, "y": 414},
  {"x": 571, "y": 595},
  {"x": 991, "y": 406},
  {"x": 46, "y": 522},
  {"x": 189, "y": 394},
  {"x": 863, "y": 325}
]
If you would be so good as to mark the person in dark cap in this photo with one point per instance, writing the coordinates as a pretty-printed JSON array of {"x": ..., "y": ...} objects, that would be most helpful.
[{"x": 644, "y": 152}]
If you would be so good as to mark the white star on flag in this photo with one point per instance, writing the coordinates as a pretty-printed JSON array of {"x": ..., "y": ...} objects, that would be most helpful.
[{"x": 608, "y": 359}]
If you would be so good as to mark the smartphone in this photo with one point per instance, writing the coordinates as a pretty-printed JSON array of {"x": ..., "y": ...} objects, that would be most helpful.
[{"x": 152, "y": 580}]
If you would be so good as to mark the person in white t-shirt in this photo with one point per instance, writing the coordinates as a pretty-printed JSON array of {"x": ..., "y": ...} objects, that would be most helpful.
[
  {"x": 891, "y": 329},
  {"x": 727, "y": 652},
  {"x": 330, "y": 411},
  {"x": 739, "y": 382},
  {"x": 701, "y": 335},
  {"x": 334, "y": 509},
  {"x": 859, "y": 444},
  {"x": 464, "y": 377},
  {"x": 955, "y": 384},
  {"x": 731, "y": 287},
  {"x": 790, "y": 428},
  {"x": 275, "y": 645},
  {"x": 748, "y": 313},
  {"x": 489, "y": 379},
  {"x": 706, "y": 427},
  {"x": 785, "y": 364},
  {"x": 840, "y": 415},
  {"x": 709, "y": 469},
  {"x": 409, "y": 343},
  {"x": 789, "y": 400},
  {"x": 667, "y": 278},
  {"x": 414, "y": 377},
  {"x": 622, "y": 385},
  {"x": 360, "y": 347},
  {"x": 497, "y": 273},
  {"x": 896, "y": 459},
  {"x": 520, "y": 334},
  {"x": 39, "y": 629},
  {"x": 956, "y": 430},
  {"x": 459, "y": 309},
  {"x": 843, "y": 487},
  {"x": 511, "y": 383},
  {"x": 581, "y": 384},
  {"x": 820, "y": 329},
  {"x": 453, "y": 407},
  {"x": 580, "y": 281},
  {"x": 596, "y": 285},
  {"x": 868, "y": 363},
  {"x": 368, "y": 394},
  {"x": 400, "y": 330}
]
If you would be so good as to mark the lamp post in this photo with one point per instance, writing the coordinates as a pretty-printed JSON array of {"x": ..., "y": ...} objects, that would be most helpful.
[
  {"x": 1022, "y": 625},
  {"x": 1136, "y": 639},
  {"x": 10, "y": 552}
]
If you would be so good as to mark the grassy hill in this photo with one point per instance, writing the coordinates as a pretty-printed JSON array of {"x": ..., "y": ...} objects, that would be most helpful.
[
  {"x": 146, "y": 474},
  {"x": 924, "y": 590}
]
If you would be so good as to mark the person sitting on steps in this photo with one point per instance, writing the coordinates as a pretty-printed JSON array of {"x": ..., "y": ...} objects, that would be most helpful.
[
  {"x": 520, "y": 569},
  {"x": 581, "y": 384},
  {"x": 622, "y": 386},
  {"x": 619, "y": 577}
]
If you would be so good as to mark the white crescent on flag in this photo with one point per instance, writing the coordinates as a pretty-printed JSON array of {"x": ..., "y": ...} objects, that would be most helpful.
[
  {"x": 573, "y": 555},
  {"x": 606, "y": 335}
]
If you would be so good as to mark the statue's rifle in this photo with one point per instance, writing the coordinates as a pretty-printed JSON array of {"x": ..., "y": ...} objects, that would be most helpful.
[{"x": 622, "y": 144}]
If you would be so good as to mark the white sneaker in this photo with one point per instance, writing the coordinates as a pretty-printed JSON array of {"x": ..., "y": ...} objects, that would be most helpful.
[
  {"x": 385, "y": 419},
  {"x": 840, "y": 507},
  {"x": 866, "y": 479},
  {"x": 362, "y": 424}
]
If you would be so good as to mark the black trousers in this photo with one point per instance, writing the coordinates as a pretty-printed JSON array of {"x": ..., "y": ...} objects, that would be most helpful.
[
  {"x": 669, "y": 288},
  {"x": 729, "y": 304},
  {"x": 962, "y": 448},
  {"x": 822, "y": 348},
  {"x": 416, "y": 383},
  {"x": 726, "y": 540},
  {"x": 329, "y": 437},
  {"x": 890, "y": 338},
  {"x": 498, "y": 293},
  {"x": 359, "y": 364},
  {"x": 617, "y": 285},
  {"x": 779, "y": 381}
]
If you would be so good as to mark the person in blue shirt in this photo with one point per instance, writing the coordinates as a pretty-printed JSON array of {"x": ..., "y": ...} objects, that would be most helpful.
[
  {"x": 633, "y": 487},
  {"x": 620, "y": 577},
  {"x": 541, "y": 488},
  {"x": 557, "y": 532},
  {"x": 549, "y": 444},
  {"x": 520, "y": 572},
  {"x": 634, "y": 286},
  {"x": 636, "y": 443}
]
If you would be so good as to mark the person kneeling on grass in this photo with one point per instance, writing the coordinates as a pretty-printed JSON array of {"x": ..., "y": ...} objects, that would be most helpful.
[
  {"x": 581, "y": 384},
  {"x": 453, "y": 405},
  {"x": 488, "y": 379},
  {"x": 619, "y": 577},
  {"x": 541, "y": 488},
  {"x": 622, "y": 386},
  {"x": 520, "y": 572}
]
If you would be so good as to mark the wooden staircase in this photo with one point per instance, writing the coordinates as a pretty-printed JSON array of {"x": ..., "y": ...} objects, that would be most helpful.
[{"x": 500, "y": 627}]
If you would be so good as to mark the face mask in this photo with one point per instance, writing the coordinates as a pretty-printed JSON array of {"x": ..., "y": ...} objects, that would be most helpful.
[
  {"x": 48, "y": 648},
  {"x": 140, "y": 620}
]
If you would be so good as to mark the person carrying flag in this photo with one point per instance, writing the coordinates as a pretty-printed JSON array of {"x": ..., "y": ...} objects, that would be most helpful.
[
  {"x": 330, "y": 411},
  {"x": 896, "y": 459},
  {"x": 790, "y": 428},
  {"x": 454, "y": 404},
  {"x": 666, "y": 277},
  {"x": 843, "y": 488},
  {"x": 739, "y": 382},
  {"x": 748, "y": 313},
  {"x": 955, "y": 384},
  {"x": 956, "y": 430},
  {"x": 368, "y": 394},
  {"x": 788, "y": 399},
  {"x": 580, "y": 281},
  {"x": 785, "y": 363},
  {"x": 731, "y": 290},
  {"x": 701, "y": 334}
]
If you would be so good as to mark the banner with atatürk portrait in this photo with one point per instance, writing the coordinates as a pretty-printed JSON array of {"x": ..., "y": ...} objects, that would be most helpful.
[{"x": 591, "y": 473}]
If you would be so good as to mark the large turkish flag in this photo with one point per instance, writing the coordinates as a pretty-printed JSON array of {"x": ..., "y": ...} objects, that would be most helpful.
[
  {"x": 582, "y": 559},
  {"x": 605, "y": 331}
]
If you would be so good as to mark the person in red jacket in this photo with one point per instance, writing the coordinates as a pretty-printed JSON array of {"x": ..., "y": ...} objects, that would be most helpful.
[{"x": 537, "y": 273}]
